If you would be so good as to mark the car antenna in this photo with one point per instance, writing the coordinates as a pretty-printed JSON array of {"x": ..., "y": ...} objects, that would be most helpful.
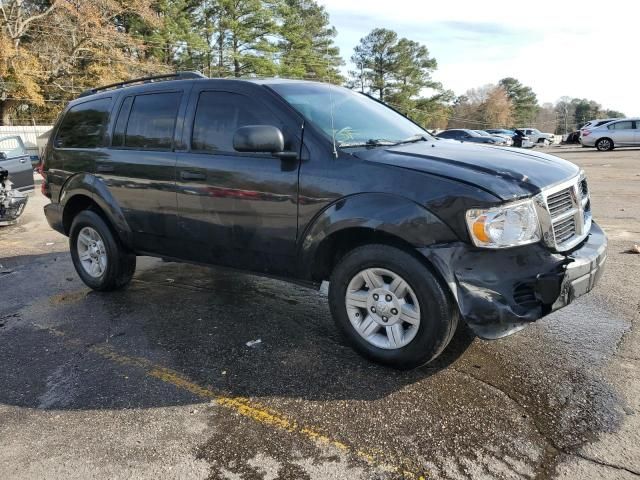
[{"x": 333, "y": 130}]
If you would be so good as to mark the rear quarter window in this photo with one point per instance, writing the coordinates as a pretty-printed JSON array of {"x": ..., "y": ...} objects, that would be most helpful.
[{"x": 83, "y": 126}]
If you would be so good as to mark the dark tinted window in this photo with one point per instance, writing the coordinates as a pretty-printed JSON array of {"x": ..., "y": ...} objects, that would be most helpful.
[
  {"x": 121, "y": 122},
  {"x": 446, "y": 134},
  {"x": 220, "y": 114},
  {"x": 152, "y": 121},
  {"x": 83, "y": 125},
  {"x": 621, "y": 126}
]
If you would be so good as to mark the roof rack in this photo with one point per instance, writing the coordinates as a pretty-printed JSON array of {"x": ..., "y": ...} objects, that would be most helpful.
[{"x": 170, "y": 76}]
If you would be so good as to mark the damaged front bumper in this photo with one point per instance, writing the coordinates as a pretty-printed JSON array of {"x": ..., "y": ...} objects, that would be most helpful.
[
  {"x": 501, "y": 291},
  {"x": 12, "y": 207}
]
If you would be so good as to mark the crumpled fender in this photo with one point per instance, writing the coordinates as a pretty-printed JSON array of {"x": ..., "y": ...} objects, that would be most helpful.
[{"x": 482, "y": 282}]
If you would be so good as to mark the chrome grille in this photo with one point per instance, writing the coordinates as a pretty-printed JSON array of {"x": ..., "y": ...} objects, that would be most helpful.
[
  {"x": 560, "y": 202},
  {"x": 565, "y": 212},
  {"x": 564, "y": 229}
]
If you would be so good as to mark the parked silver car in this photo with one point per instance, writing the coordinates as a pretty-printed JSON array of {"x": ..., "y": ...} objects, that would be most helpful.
[
  {"x": 591, "y": 124},
  {"x": 619, "y": 133}
]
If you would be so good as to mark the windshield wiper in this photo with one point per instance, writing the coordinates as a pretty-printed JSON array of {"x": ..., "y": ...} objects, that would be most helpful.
[
  {"x": 419, "y": 137},
  {"x": 373, "y": 142}
]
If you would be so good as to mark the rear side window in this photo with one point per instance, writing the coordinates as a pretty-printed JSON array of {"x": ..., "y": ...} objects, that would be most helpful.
[
  {"x": 220, "y": 114},
  {"x": 621, "y": 126},
  {"x": 151, "y": 122},
  {"x": 83, "y": 125}
]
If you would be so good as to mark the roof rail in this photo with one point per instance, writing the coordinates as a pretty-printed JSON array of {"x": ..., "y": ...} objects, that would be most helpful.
[{"x": 170, "y": 76}]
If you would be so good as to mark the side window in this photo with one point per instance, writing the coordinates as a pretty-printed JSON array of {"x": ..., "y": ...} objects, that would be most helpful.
[
  {"x": 121, "y": 123},
  {"x": 12, "y": 147},
  {"x": 83, "y": 125},
  {"x": 621, "y": 126},
  {"x": 220, "y": 114},
  {"x": 152, "y": 121}
]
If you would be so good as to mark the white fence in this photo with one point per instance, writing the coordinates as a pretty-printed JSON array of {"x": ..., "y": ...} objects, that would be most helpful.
[{"x": 34, "y": 137}]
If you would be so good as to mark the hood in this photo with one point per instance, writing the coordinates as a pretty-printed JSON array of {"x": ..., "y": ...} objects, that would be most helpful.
[{"x": 507, "y": 173}]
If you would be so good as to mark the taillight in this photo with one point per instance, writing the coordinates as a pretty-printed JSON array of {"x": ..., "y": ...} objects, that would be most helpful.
[
  {"x": 44, "y": 186},
  {"x": 585, "y": 133}
]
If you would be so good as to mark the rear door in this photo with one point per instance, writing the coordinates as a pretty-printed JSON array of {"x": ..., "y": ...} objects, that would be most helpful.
[
  {"x": 17, "y": 162},
  {"x": 622, "y": 133},
  {"x": 140, "y": 167},
  {"x": 238, "y": 209}
]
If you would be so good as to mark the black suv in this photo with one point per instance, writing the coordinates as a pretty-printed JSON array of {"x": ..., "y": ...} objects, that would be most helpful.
[{"x": 310, "y": 182}]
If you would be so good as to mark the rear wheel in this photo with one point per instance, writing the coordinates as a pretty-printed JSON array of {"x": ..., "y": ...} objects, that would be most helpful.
[
  {"x": 100, "y": 259},
  {"x": 391, "y": 307},
  {"x": 604, "y": 144}
]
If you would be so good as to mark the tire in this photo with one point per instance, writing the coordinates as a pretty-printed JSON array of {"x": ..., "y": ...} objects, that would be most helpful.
[
  {"x": 113, "y": 270},
  {"x": 604, "y": 144},
  {"x": 438, "y": 315}
]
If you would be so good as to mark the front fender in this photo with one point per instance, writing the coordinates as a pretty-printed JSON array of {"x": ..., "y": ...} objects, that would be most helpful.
[
  {"x": 94, "y": 188},
  {"x": 380, "y": 212}
]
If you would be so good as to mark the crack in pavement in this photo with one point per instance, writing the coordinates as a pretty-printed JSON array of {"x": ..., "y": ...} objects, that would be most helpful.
[
  {"x": 605, "y": 464},
  {"x": 556, "y": 450}
]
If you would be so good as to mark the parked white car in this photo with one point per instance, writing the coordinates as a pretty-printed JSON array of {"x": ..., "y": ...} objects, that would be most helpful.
[
  {"x": 536, "y": 136},
  {"x": 619, "y": 133}
]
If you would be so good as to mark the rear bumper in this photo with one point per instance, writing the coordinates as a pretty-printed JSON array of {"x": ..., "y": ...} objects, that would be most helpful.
[
  {"x": 500, "y": 292},
  {"x": 53, "y": 214}
]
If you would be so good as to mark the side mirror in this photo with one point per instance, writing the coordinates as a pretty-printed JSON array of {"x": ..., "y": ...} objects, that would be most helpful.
[
  {"x": 3, "y": 156},
  {"x": 261, "y": 139},
  {"x": 258, "y": 138}
]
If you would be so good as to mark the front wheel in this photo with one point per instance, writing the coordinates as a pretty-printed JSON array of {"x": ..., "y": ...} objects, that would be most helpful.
[
  {"x": 391, "y": 307},
  {"x": 98, "y": 256}
]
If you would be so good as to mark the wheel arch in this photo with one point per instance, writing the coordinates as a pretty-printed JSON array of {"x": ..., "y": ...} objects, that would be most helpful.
[
  {"x": 84, "y": 191},
  {"x": 366, "y": 219}
]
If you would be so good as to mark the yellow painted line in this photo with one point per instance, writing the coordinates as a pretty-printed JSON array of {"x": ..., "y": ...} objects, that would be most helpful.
[{"x": 240, "y": 405}]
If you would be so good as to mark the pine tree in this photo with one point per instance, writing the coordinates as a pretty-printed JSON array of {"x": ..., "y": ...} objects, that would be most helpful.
[
  {"x": 525, "y": 101},
  {"x": 306, "y": 45}
]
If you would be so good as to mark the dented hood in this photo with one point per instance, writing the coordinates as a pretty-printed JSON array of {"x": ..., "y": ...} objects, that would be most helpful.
[{"x": 507, "y": 173}]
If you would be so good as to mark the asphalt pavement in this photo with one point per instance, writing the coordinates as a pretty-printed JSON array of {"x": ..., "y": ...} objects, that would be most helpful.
[{"x": 195, "y": 372}]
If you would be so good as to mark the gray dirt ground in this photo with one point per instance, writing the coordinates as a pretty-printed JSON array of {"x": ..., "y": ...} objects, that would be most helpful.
[{"x": 156, "y": 381}]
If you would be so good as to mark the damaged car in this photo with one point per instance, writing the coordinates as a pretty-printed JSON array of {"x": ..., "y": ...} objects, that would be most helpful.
[
  {"x": 310, "y": 182},
  {"x": 12, "y": 201}
]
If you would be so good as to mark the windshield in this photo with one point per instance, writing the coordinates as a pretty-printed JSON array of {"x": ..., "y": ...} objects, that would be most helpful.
[
  {"x": 357, "y": 119},
  {"x": 482, "y": 133}
]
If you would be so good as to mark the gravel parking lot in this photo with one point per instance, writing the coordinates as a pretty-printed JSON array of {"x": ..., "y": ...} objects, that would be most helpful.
[{"x": 166, "y": 379}]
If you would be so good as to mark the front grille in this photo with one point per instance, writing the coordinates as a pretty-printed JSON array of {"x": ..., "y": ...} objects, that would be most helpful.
[
  {"x": 584, "y": 188},
  {"x": 565, "y": 229},
  {"x": 568, "y": 212},
  {"x": 560, "y": 202}
]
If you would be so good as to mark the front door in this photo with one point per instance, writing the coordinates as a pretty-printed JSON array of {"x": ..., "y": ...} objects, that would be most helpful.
[
  {"x": 235, "y": 208},
  {"x": 17, "y": 162}
]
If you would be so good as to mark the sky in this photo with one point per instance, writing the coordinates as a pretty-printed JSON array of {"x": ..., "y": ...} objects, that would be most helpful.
[{"x": 579, "y": 48}]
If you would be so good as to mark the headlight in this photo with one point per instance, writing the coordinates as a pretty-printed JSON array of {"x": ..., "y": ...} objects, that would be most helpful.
[{"x": 505, "y": 226}]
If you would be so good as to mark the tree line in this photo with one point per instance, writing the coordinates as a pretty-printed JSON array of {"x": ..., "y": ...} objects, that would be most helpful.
[{"x": 51, "y": 50}]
